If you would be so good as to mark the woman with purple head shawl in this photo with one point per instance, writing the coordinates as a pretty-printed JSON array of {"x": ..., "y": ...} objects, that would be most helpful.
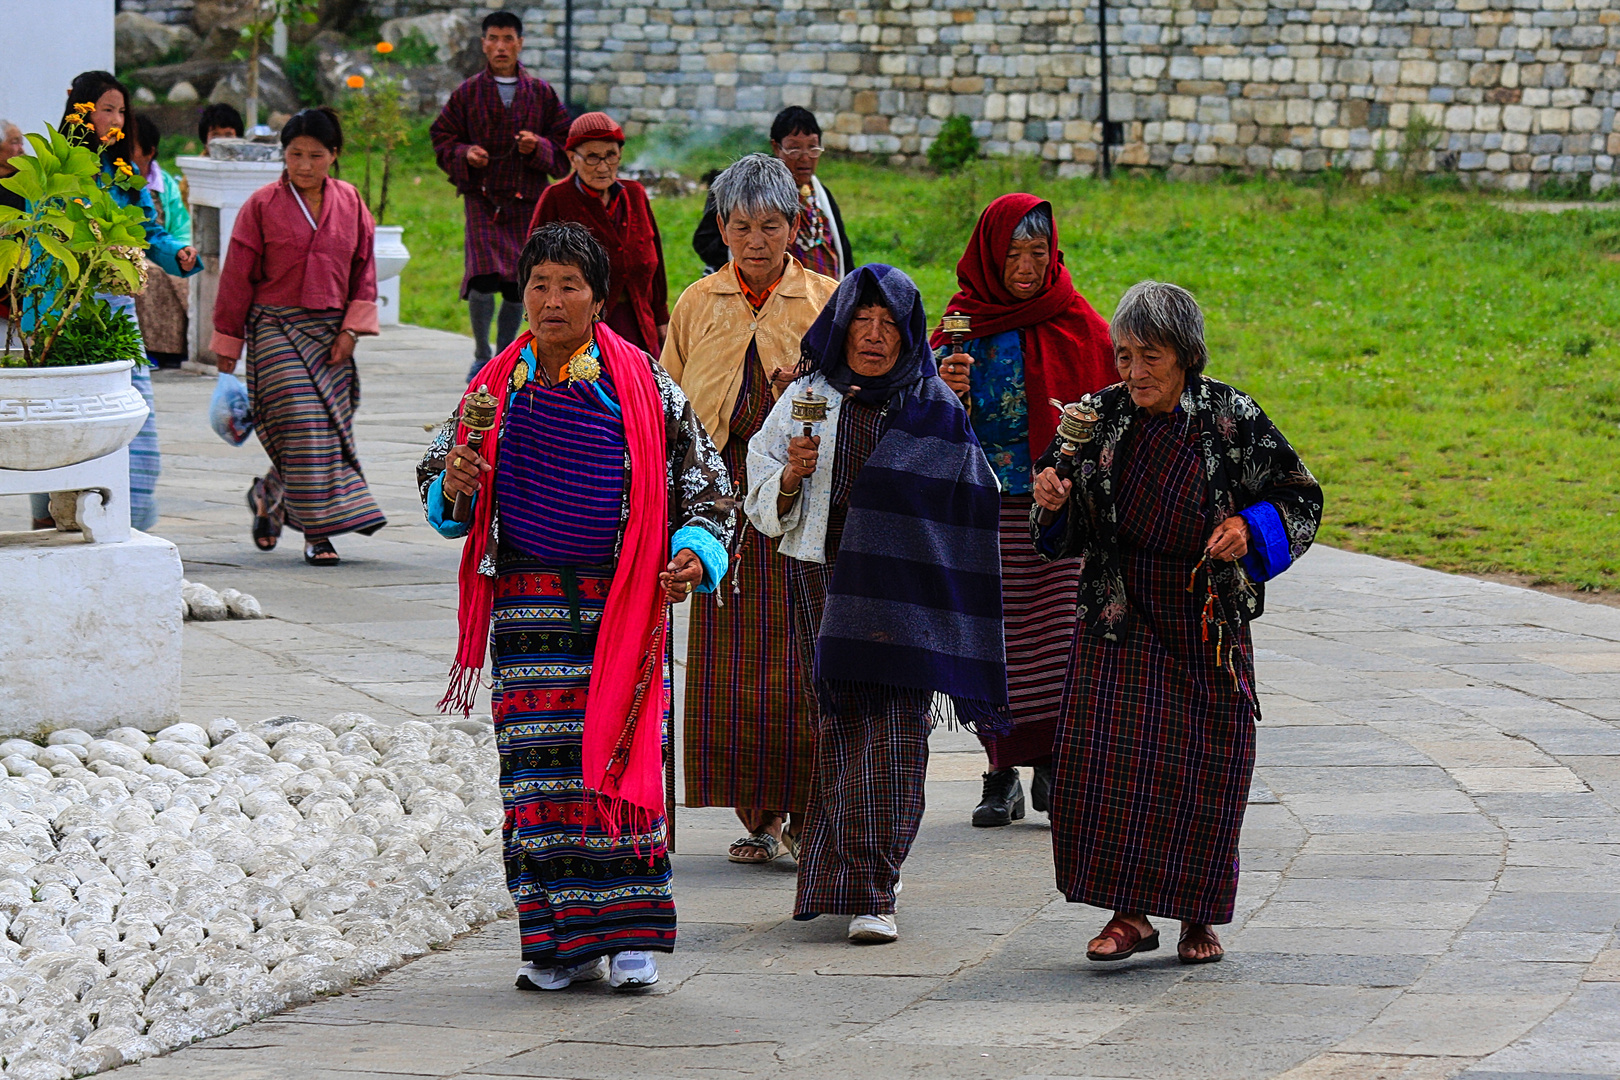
[{"x": 889, "y": 519}]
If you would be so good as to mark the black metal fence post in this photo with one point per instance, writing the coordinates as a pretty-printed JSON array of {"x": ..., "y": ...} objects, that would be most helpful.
[
  {"x": 568, "y": 54},
  {"x": 1102, "y": 102}
]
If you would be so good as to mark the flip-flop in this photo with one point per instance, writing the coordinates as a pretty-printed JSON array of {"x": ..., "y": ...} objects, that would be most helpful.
[
  {"x": 1127, "y": 939},
  {"x": 1199, "y": 934},
  {"x": 265, "y": 527},
  {"x": 321, "y": 553},
  {"x": 762, "y": 840},
  {"x": 790, "y": 840}
]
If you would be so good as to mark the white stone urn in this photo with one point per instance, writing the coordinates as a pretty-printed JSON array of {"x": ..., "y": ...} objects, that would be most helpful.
[
  {"x": 392, "y": 255},
  {"x": 53, "y": 417}
]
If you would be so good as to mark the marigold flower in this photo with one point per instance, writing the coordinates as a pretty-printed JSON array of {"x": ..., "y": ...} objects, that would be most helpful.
[
  {"x": 355, "y": 82},
  {"x": 112, "y": 136},
  {"x": 84, "y": 107},
  {"x": 123, "y": 167},
  {"x": 72, "y": 119},
  {"x": 385, "y": 47}
]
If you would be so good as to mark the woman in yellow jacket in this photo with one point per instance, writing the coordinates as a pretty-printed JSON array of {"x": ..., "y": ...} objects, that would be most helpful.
[{"x": 733, "y": 344}]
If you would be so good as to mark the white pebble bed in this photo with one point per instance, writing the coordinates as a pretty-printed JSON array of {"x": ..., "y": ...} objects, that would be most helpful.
[{"x": 156, "y": 890}]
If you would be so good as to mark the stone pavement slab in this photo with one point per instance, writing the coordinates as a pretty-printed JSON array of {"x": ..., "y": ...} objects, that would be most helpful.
[{"x": 1431, "y": 874}]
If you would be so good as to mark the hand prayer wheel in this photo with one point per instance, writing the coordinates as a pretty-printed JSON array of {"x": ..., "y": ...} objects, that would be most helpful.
[
  {"x": 1076, "y": 422},
  {"x": 810, "y": 409},
  {"x": 958, "y": 326},
  {"x": 478, "y": 417}
]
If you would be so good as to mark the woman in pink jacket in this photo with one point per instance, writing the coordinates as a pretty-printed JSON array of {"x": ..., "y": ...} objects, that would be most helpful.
[{"x": 298, "y": 289}]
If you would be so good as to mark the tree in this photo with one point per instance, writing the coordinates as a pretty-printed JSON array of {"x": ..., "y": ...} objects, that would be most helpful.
[{"x": 266, "y": 13}]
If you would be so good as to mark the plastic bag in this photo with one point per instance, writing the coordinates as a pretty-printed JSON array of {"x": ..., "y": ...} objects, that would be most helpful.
[{"x": 229, "y": 413}]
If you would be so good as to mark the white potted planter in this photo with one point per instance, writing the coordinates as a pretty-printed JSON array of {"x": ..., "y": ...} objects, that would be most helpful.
[
  {"x": 392, "y": 255},
  {"x": 53, "y": 417}
]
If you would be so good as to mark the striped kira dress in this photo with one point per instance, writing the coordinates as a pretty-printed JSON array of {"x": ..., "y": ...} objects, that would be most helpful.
[{"x": 303, "y": 409}]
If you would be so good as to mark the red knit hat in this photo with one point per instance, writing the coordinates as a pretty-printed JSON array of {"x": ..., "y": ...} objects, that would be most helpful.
[{"x": 593, "y": 125}]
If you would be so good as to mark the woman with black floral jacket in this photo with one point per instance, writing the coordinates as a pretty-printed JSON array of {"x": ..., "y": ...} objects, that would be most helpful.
[{"x": 1183, "y": 503}]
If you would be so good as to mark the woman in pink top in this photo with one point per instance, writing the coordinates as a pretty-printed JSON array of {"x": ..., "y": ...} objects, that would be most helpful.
[{"x": 298, "y": 289}]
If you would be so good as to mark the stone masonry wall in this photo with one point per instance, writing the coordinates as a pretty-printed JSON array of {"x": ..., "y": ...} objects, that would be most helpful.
[{"x": 1519, "y": 90}]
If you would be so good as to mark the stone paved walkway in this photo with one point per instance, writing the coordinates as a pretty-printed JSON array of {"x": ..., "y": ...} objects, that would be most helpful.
[{"x": 1431, "y": 866}]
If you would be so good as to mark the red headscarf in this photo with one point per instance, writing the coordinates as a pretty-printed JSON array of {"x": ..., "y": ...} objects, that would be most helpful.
[{"x": 1067, "y": 350}]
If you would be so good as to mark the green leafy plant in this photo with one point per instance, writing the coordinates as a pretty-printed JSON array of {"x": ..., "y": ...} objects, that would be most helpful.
[
  {"x": 1420, "y": 138},
  {"x": 414, "y": 50},
  {"x": 95, "y": 333},
  {"x": 72, "y": 241},
  {"x": 374, "y": 116},
  {"x": 955, "y": 146},
  {"x": 303, "y": 72}
]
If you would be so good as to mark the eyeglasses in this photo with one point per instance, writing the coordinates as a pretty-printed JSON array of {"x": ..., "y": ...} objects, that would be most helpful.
[
  {"x": 812, "y": 153},
  {"x": 596, "y": 161}
]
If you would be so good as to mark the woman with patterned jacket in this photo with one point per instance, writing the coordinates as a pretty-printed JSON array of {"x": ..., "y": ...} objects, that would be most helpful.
[
  {"x": 1184, "y": 502},
  {"x": 594, "y": 498}
]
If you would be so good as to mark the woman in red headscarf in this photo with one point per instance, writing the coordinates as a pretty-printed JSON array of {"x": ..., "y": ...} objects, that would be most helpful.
[
  {"x": 620, "y": 217},
  {"x": 1034, "y": 339}
]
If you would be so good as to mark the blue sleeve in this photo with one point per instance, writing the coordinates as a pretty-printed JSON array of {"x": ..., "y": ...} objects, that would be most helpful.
[
  {"x": 161, "y": 247},
  {"x": 1269, "y": 554},
  {"x": 438, "y": 508},
  {"x": 709, "y": 551},
  {"x": 176, "y": 215}
]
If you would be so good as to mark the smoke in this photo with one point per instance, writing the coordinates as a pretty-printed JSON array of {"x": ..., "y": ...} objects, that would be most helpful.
[{"x": 692, "y": 151}]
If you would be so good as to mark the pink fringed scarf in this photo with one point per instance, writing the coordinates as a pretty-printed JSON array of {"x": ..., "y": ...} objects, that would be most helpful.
[{"x": 622, "y": 752}]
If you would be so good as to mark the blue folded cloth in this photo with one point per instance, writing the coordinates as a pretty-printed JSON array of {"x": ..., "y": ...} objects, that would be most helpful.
[{"x": 1269, "y": 554}]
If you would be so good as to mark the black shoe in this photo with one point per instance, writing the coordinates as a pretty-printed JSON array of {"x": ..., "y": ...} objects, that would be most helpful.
[
  {"x": 1040, "y": 790},
  {"x": 1003, "y": 799}
]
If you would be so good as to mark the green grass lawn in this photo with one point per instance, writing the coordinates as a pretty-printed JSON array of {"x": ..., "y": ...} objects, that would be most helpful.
[{"x": 1446, "y": 368}]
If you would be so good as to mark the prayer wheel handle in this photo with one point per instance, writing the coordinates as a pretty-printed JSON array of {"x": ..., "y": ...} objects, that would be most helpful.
[{"x": 478, "y": 416}]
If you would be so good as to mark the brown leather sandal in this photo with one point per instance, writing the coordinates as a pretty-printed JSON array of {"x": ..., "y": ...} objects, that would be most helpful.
[
  {"x": 1199, "y": 934},
  {"x": 1127, "y": 939}
]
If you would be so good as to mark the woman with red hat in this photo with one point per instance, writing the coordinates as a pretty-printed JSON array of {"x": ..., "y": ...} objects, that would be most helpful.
[
  {"x": 1033, "y": 338},
  {"x": 621, "y": 219}
]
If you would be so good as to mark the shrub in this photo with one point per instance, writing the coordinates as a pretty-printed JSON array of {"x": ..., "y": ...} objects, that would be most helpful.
[{"x": 955, "y": 146}]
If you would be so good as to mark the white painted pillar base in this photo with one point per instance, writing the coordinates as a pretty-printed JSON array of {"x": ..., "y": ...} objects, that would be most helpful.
[{"x": 92, "y": 632}]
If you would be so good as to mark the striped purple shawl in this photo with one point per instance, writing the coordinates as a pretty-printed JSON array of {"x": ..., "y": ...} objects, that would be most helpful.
[{"x": 915, "y": 598}]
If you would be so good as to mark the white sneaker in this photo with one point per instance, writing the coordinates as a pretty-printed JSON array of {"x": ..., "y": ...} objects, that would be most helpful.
[
  {"x": 632, "y": 970},
  {"x": 532, "y": 976},
  {"x": 873, "y": 929}
]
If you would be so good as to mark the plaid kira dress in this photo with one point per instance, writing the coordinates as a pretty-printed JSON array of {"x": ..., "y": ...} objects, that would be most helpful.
[
  {"x": 750, "y": 712},
  {"x": 872, "y": 757},
  {"x": 1156, "y": 749}
]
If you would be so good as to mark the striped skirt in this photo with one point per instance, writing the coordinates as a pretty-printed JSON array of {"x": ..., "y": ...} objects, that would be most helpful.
[
  {"x": 145, "y": 462},
  {"x": 750, "y": 716},
  {"x": 1038, "y": 604},
  {"x": 866, "y": 801},
  {"x": 303, "y": 409},
  {"x": 579, "y": 892}
]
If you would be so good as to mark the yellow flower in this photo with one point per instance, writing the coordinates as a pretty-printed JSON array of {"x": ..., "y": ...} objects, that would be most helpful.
[
  {"x": 84, "y": 107},
  {"x": 385, "y": 47},
  {"x": 123, "y": 167},
  {"x": 355, "y": 82},
  {"x": 112, "y": 136},
  {"x": 72, "y": 119}
]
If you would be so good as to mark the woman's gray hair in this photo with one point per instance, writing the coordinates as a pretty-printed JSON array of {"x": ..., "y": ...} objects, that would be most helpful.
[
  {"x": 756, "y": 184},
  {"x": 1035, "y": 225},
  {"x": 1157, "y": 313}
]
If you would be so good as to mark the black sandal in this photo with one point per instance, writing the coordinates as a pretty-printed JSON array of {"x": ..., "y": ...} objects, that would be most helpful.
[
  {"x": 265, "y": 527},
  {"x": 321, "y": 553}
]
